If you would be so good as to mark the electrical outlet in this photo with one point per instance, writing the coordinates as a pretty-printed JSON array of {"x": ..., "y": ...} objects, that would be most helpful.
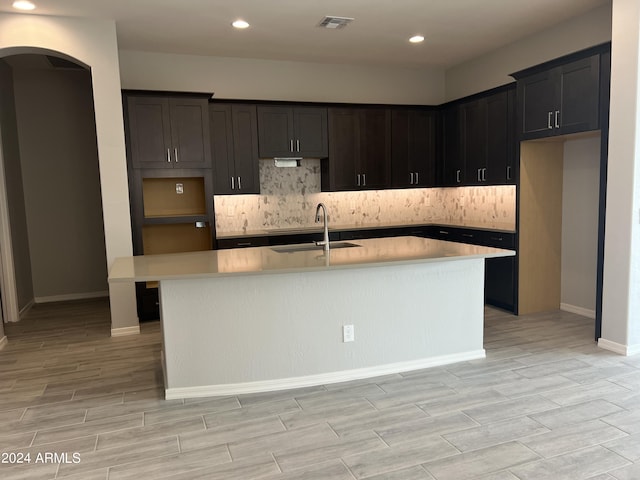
[
  {"x": 179, "y": 188},
  {"x": 348, "y": 333}
]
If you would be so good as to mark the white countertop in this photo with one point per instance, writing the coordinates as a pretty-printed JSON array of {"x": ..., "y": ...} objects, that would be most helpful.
[{"x": 264, "y": 260}]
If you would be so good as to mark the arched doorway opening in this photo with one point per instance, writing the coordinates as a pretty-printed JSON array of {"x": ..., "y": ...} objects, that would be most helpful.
[{"x": 51, "y": 221}]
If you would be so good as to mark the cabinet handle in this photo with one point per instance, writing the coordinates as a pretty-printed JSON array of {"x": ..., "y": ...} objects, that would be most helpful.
[
  {"x": 297, "y": 145},
  {"x": 443, "y": 232},
  {"x": 468, "y": 235},
  {"x": 484, "y": 174},
  {"x": 358, "y": 179},
  {"x": 291, "y": 145},
  {"x": 417, "y": 178},
  {"x": 168, "y": 156},
  {"x": 479, "y": 174},
  {"x": 508, "y": 173},
  {"x": 243, "y": 244},
  {"x": 233, "y": 183},
  {"x": 239, "y": 184},
  {"x": 457, "y": 176},
  {"x": 557, "y": 114},
  {"x": 410, "y": 178},
  {"x": 364, "y": 179},
  {"x": 175, "y": 151},
  {"x": 549, "y": 121},
  {"x": 497, "y": 239}
]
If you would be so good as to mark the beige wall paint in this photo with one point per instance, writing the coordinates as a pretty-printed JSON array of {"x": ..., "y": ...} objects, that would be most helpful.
[
  {"x": 94, "y": 43},
  {"x": 239, "y": 78},
  {"x": 61, "y": 180},
  {"x": 15, "y": 194},
  {"x": 580, "y": 202},
  {"x": 493, "y": 69}
]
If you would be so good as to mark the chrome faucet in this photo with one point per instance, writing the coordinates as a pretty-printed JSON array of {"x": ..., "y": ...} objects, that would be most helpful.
[{"x": 325, "y": 241}]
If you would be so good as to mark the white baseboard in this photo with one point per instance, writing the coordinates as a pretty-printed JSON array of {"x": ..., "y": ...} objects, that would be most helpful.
[
  {"x": 27, "y": 307},
  {"x": 72, "y": 296},
  {"x": 585, "y": 312},
  {"x": 626, "y": 350},
  {"x": 320, "y": 379},
  {"x": 3, "y": 342},
  {"x": 124, "y": 331}
]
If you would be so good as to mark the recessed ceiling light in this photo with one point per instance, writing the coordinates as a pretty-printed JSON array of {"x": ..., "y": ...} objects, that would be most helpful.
[
  {"x": 416, "y": 39},
  {"x": 23, "y": 5},
  {"x": 240, "y": 24}
]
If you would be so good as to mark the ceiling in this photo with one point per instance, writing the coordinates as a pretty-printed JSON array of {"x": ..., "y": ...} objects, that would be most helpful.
[{"x": 455, "y": 30}]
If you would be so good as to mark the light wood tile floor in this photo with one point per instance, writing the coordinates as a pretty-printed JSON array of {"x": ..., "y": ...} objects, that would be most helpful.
[{"x": 546, "y": 403}]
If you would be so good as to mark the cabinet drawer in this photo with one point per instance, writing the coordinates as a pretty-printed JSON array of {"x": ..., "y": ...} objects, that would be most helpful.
[
  {"x": 499, "y": 240},
  {"x": 242, "y": 242}
]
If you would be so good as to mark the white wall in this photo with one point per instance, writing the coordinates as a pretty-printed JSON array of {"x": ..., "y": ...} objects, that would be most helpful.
[
  {"x": 253, "y": 79},
  {"x": 580, "y": 202},
  {"x": 15, "y": 193},
  {"x": 94, "y": 43},
  {"x": 59, "y": 158},
  {"x": 621, "y": 293},
  {"x": 493, "y": 69}
]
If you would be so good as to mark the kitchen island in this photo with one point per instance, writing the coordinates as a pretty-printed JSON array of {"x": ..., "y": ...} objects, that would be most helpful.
[{"x": 259, "y": 319}]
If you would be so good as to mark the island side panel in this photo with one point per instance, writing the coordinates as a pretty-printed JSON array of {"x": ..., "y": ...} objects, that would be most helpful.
[{"x": 236, "y": 334}]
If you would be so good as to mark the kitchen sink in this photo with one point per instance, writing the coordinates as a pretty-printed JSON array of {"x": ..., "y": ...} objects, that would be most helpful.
[{"x": 311, "y": 246}]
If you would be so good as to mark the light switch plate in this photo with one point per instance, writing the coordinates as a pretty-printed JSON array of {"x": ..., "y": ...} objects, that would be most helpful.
[
  {"x": 179, "y": 188},
  {"x": 348, "y": 333}
]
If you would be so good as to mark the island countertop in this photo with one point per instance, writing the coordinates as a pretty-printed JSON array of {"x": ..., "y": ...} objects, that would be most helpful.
[{"x": 269, "y": 260}]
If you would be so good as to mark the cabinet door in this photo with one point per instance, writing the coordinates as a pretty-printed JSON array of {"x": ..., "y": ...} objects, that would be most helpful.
[
  {"x": 499, "y": 141},
  {"x": 579, "y": 95},
  {"x": 344, "y": 149},
  {"x": 310, "y": 127},
  {"x": 245, "y": 147},
  {"x": 452, "y": 165},
  {"x": 412, "y": 148},
  {"x": 149, "y": 132},
  {"x": 374, "y": 166},
  {"x": 222, "y": 148},
  {"x": 275, "y": 132},
  {"x": 537, "y": 97},
  {"x": 190, "y": 143},
  {"x": 499, "y": 284},
  {"x": 473, "y": 140}
]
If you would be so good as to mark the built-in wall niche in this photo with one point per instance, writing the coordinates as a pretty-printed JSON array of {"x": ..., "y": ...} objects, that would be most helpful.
[
  {"x": 176, "y": 238},
  {"x": 172, "y": 197}
]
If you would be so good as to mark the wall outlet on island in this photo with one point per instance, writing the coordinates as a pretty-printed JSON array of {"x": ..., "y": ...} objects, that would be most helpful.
[{"x": 348, "y": 333}]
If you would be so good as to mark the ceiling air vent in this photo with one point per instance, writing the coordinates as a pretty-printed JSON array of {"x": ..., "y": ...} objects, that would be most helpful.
[{"x": 335, "y": 22}]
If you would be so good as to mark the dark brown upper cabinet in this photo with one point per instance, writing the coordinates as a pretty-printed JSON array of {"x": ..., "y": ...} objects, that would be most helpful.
[
  {"x": 487, "y": 143},
  {"x": 559, "y": 100},
  {"x": 450, "y": 169},
  {"x": 292, "y": 131},
  {"x": 359, "y": 149},
  {"x": 413, "y": 147},
  {"x": 168, "y": 131},
  {"x": 234, "y": 148}
]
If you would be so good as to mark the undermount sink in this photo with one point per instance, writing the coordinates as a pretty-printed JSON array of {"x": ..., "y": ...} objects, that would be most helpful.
[{"x": 311, "y": 247}]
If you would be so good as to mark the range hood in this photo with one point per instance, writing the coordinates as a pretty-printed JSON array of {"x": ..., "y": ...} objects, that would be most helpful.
[{"x": 287, "y": 162}]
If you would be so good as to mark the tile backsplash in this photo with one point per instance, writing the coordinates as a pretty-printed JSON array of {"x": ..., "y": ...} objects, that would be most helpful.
[{"x": 289, "y": 197}]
